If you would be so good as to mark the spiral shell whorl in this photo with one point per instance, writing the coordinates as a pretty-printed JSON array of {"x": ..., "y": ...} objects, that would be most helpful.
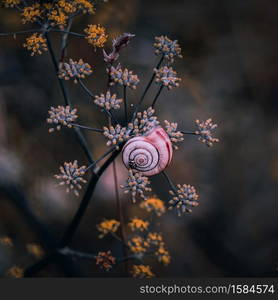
[{"x": 149, "y": 154}]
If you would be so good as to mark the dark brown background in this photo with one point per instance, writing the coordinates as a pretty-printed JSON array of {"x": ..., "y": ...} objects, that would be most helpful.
[{"x": 228, "y": 72}]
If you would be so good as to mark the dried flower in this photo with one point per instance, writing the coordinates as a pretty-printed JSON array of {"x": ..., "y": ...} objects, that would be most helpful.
[
  {"x": 108, "y": 101},
  {"x": 167, "y": 77},
  {"x": 138, "y": 224},
  {"x": 118, "y": 44},
  {"x": 35, "y": 250},
  {"x": 175, "y": 135},
  {"x": 72, "y": 175},
  {"x": 11, "y": 3},
  {"x": 142, "y": 271},
  {"x": 137, "y": 185},
  {"x": 108, "y": 226},
  {"x": 153, "y": 204},
  {"x": 168, "y": 48},
  {"x": 6, "y": 241},
  {"x": 138, "y": 245},
  {"x": 144, "y": 122},
  {"x": 184, "y": 197},
  {"x": 115, "y": 135},
  {"x": 96, "y": 35},
  {"x": 105, "y": 260},
  {"x": 31, "y": 13},
  {"x": 204, "y": 131},
  {"x": 61, "y": 115},
  {"x": 35, "y": 43},
  {"x": 122, "y": 77},
  {"x": 163, "y": 255},
  {"x": 15, "y": 272},
  {"x": 74, "y": 69}
]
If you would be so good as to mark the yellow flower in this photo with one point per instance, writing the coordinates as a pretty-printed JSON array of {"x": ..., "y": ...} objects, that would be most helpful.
[
  {"x": 155, "y": 205},
  {"x": 35, "y": 249},
  {"x": 11, "y": 3},
  {"x": 15, "y": 271},
  {"x": 68, "y": 7},
  {"x": 142, "y": 271},
  {"x": 138, "y": 224},
  {"x": 85, "y": 5},
  {"x": 6, "y": 241},
  {"x": 36, "y": 43},
  {"x": 163, "y": 255},
  {"x": 96, "y": 35},
  {"x": 108, "y": 226},
  {"x": 58, "y": 17},
  {"x": 138, "y": 245},
  {"x": 155, "y": 238},
  {"x": 31, "y": 13}
]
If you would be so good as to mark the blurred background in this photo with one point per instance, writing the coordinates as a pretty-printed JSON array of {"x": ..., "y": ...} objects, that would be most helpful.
[{"x": 228, "y": 72}]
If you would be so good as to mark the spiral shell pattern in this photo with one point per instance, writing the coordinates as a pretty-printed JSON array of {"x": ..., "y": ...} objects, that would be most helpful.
[{"x": 149, "y": 154}]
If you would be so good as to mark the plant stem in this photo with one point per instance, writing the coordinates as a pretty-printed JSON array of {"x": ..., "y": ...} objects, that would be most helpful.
[
  {"x": 69, "y": 32},
  {"x": 125, "y": 104},
  {"x": 80, "y": 137},
  {"x": 69, "y": 252},
  {"x": 188, "y": 132},
  {"x": 101, "y": 158},
  {"x": 70, "y": 231},
  {"x": 86, "y": 127},
  {"x": 20, "y": 32},
  {"x": 157, "y": 95},
  {"x": 146, "y": 89}
]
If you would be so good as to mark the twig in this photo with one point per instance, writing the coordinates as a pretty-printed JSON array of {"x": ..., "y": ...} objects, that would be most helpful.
[
  {"x": 146, "y": 89},
  {"x": 157, "y": 95},
  {"x": 70, "y": 231},
  {"x": 125, "y": 104},
  {"x": 188, "y": 132},
  {"x": 86, "y": 127},
  {"x": 69, "y": 252},
  {"x": 80, "y": 137},
  {"x": 20, "y": 32}
]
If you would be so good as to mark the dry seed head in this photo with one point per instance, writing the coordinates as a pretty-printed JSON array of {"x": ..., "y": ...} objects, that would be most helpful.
[
  {"x": 205, "y": 132},
  {"x": 175, "y": 135},
  {"x": 123, "y": 77},
  {"x": 74, "y": 70},
  {"x": 72, "y": 176},
  {"x": 167, "y": 77},
  {"x": 108, "y": 101},
  {"x": 168, "y": 48},
  {"x": 183, "y": 198},
  {"x": 61, "y": 115}
]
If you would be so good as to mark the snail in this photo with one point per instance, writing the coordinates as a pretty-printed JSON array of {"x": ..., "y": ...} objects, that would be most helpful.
[{"x": 149, "y": 154}]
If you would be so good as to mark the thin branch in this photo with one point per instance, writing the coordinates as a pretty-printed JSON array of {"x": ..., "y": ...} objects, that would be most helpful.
[
  {"x": 84, "y": 87},
  {"x": 80, "y": 137},
  {"x": 86, "y": 127},
  {"x": 157, "y": 95},
  {"x": 69, "y": 252},
  {"x": 69, "y": 32},
  {"x": 146, "y": 89},
  {"x": 74, "y": 224},
  {"x": 189, "y": 132},
  {"x": 101, "y": 158},
  {"x": 125, "y": 104},
  {"x": 170, "y": 182},
  {"x": 90, "y": 94},
  {"x": 20, "y": 32}
]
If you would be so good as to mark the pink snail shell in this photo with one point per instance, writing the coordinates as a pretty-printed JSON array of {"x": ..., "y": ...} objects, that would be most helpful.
[{"x": 149, "y": 154}]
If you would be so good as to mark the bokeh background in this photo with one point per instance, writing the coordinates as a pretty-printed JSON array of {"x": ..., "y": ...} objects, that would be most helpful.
[{"x": 228, "y": 72}]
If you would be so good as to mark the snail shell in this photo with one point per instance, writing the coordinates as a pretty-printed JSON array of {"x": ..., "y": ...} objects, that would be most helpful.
[{"x": 150, "y": 154}]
